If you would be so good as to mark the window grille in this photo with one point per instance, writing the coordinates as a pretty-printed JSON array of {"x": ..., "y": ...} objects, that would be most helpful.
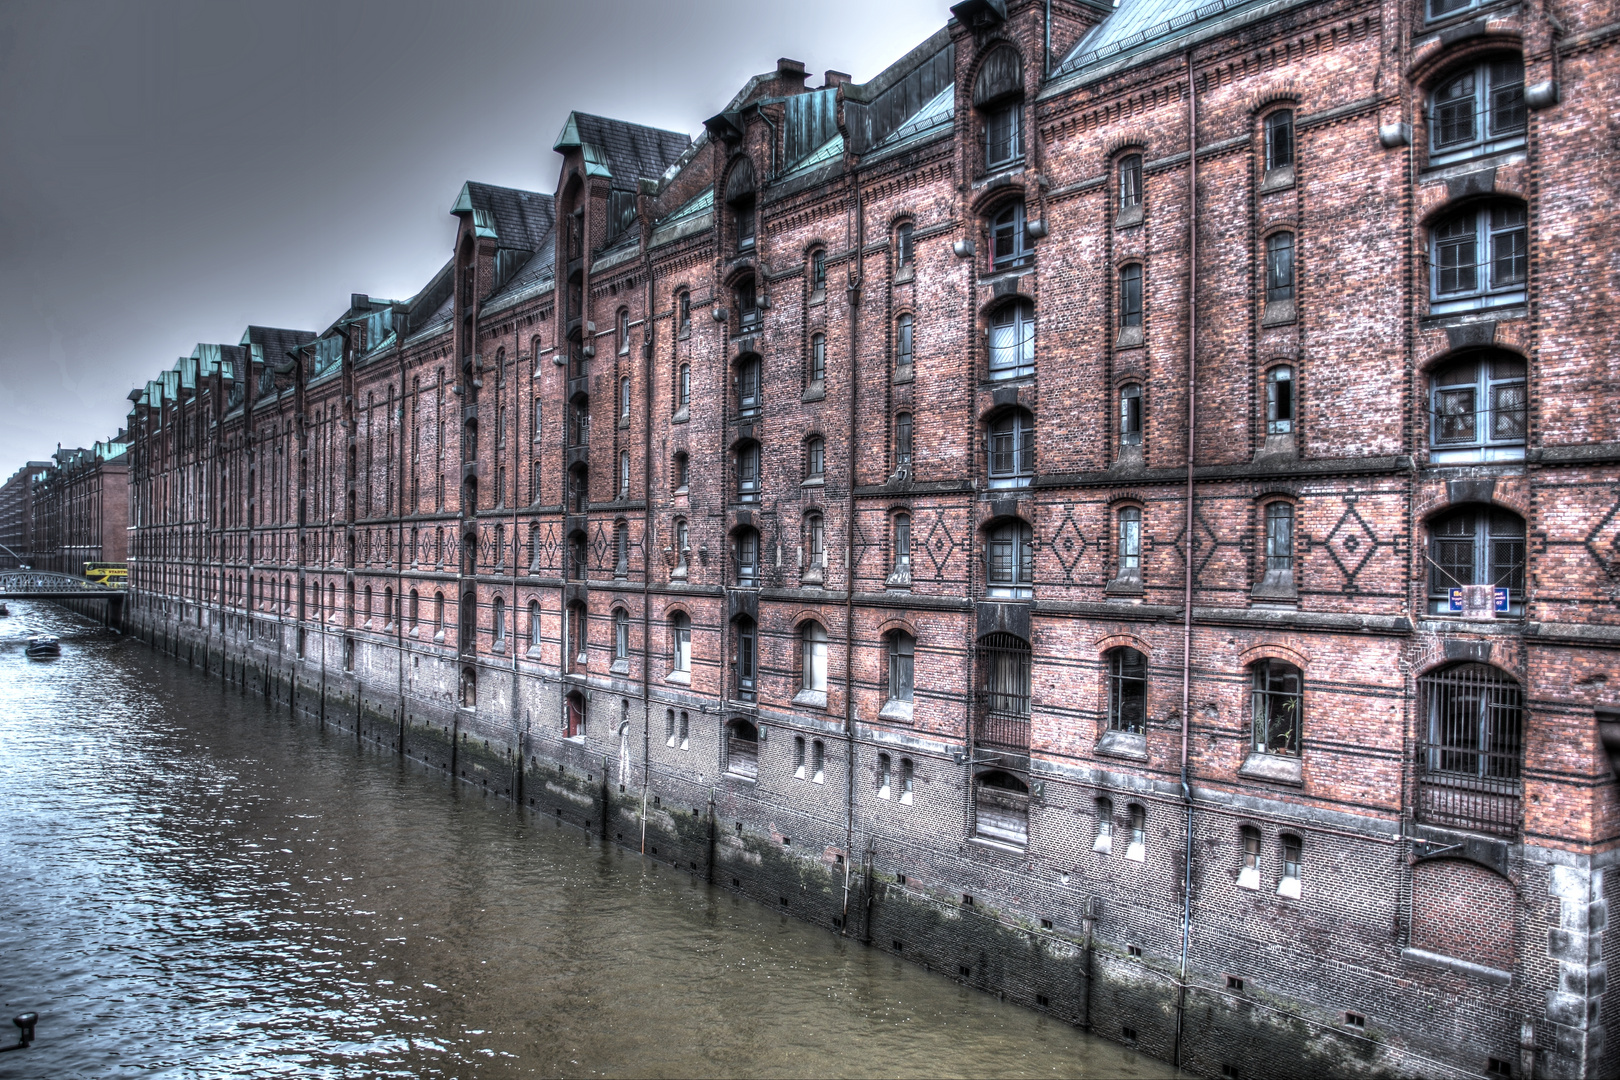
[
  {"x": 748, "y": 473},
  {"x": 1003, "y": 693},
  {"x": 1470, "y": 757},
  {"x": 1479, "y": 403}
]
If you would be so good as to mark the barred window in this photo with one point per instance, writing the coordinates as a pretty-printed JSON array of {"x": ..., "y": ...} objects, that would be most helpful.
[
  {"x": 902, "y": 439},
  {"x": 1002, "y": 706},
  {"x": 683, "y": 387},
  {"x": 1277, "y": 708},
  {"x": 1003, "y": 135},
  {"x": 1478, "y": 409},
  {"x": 748, "y": 472},
  {"x": 1478, "y": 546},
  {"x": 748, "y": 386},
  {"x": 1471, "y": 758},
  {"x": 1279, "y": 537}
]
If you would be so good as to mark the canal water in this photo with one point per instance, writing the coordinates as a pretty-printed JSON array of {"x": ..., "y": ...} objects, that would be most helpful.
[{"x": 194, "y": 884}]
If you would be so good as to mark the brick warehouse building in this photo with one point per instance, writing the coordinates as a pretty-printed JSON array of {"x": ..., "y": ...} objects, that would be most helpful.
[
  {"x": 807, "y": 505},
  {"x": 79, "y": 512}
]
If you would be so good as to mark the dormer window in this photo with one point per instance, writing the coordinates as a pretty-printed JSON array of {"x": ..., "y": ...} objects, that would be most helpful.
[{"x": 998, "y": 96}]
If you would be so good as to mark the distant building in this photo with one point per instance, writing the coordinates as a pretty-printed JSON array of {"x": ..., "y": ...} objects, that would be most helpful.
[
  {"x": 853, "y": 504},
  {"x": 17, "y": 514},
  {"x": 81, "y": 509}
]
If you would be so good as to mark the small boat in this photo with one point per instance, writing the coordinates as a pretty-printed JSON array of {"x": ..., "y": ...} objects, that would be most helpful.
[
  {"x": 44, "y": 646},
  {"x": 4, "y": 611}
]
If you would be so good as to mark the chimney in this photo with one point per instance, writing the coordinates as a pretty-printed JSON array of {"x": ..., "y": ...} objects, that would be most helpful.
[
  {"x": 835, "y": 78},
  {"x": 791, "y": 73}
]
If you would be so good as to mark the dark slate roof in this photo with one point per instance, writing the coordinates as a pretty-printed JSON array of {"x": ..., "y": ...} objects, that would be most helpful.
[
  {"x": 626, "y": 152},
  {"x": 234, "y": 357},
  {"x": 1136, "y": 23},
  {"x": 276, "y": 342},
  {"x": 520, "y": 219},
  {"x": 539, "y": 268}
]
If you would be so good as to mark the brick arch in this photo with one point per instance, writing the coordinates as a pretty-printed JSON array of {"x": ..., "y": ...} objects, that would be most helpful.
[
  {"x": 1433, "y": 59},
  {"x": 896, "y": 622},
  {"x": 1109, "y": 642},
  {"x": 1446, "y": 353},
  {"x": 1463, "y": 910},
  {"x": 996, "y": 302},
  {"x": 1285, "y": 93},
  {"x": 992, "y": 197},
  {"x": 1271, "y": 650},
  {"x": 1442, "y": 500},
  {"x": 1134, "y": 141},
  {"x": 1440, "y": 210},
  {"x": 808, "y": 615},
  {"x": 676, "y": 607}
]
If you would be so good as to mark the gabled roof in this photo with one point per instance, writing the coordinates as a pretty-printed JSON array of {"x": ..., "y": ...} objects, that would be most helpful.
[
  {"x": 620, "y": 150},
  {"x": 275, "y": 343},
  {"x": 512, "y": 218}
]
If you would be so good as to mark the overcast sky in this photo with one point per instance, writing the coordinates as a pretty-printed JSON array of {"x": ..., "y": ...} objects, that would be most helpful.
[{"x": 172, "y": 171}]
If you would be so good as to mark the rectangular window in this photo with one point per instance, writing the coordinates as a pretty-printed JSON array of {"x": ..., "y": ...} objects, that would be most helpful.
[
  {"x": 1289, "y": 883},
  {"x": 818, "y": 762},
  {"x": 818, "y": 358},
  {"x": 1280, "y": 401},
  {"x": 1279, "y": 537},
  {"x": 818, "y": 270},
  {"x": 798, "y": 757},
  {"x": 1003, "y": 136},
  {"x": 1130, "y": 295},
  {"x": 902, "y": 666},
  {"x": 902, "y": 343},
  {"x": 907, "y": 776}
]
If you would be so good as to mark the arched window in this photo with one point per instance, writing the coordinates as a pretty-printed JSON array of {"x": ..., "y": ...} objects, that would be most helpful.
[
  {"x": 683, "y": 387},
  {"x": 1476, "y": 562},
  {"x": 683, "y": 548},
  {"x": 1477, "y": 110},
  {"x": 902, "y": 444},
  {"x": 747, "y": 556},
  {"x": 1130, "y": 415},
  {"x": 624, "y": 474},
  {"x": 1009, "y": 238},
  {"x": 577, "y": 557},
  {"x": 438, "y": 616},
  {"x": 1001, "y": 804},
  {"x": 1012, "y": 449},
  {"x": 815, "y": 458},
  {"x": 1136, "y": 849},
  {"x": 1003, "y": 692},
  {"x": 1012, "y": 340},
  {"x": 740, "y": 198},
  {"x": 748, "y": 472},
  {"x": 1010, "y": 559},
  {"x": 818, "y": 270},
  {"x": 902, "y": 246},
  {"x": 747, "y": 306},
  {"x": 579, "y": 422},
  {"x": 885, "y": 776},
  {"x": 1279, "y": 277},
  {"x": 813, "y": 659},
  {"x": 1130, "y": 303},
  {"x": 1278, "y": 569},
  {"x": 1280, "y": 400},
  {"x": 1127, "y": 691},
  {"x": 467, "y": 633},
  {"x": 1130, "y": 190},
  {"x": 1278, "y": 712},
  {"x": 683, "y": 308},
  {"x": 681, "y": 472},
  {"x": 1128, "y": 546},
  {"x": 416, "y": 610},
  {"x": 621, "y": 549},
  {"x": 1279, "y": 147},
  {"x": 818, "y": 358},
  {"x": 624, "y": 398},
  {"x": 902, "y": 667},
  {"x": 742, "y": 748},
  {"x": 579, "y": 490},
  {"x": 745, "y": 659},
  {"x": 815, "y": 536},
  {"x": 680, "y": 643},
  {"x": 998, "y": 96},
  {"x": 1471, "y": 756},
  {"x": 622, "y": 330},
  {"x": 499, "y": 623},
  {"x": 469, "y": 687},
  {"x": 367, "y": 594},
  {"x": 1479, "y": 258},
  {"x": 621, "y": 634},
  {"x": 1249, "y": 867},
  {"x": 1478, "y": 409},
  {"x": 576, "y": 641},
  {"x": 901, "y": 534},
  {"x": 903, "y": 328},
  {"x": 748, "y": 386},
  {"x": 534, "y": 627}
]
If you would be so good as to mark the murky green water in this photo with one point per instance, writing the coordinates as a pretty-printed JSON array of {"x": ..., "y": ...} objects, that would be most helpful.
[{"x": 193, "y": 884}]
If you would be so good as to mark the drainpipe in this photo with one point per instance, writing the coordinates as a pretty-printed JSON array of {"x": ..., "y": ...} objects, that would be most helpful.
[
  {"x": 646, "y": 529},
  {"x": 1187, "y": 573},
  {"x": 855, "y": 282}
]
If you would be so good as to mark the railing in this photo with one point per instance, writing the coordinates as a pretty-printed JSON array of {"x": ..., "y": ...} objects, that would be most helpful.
[
  {"x": 1001, "y": 712},
  {"x": 1469, "y": 759}
]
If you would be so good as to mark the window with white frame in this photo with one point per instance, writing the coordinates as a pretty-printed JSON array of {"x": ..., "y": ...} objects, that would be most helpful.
[
  {"x": 1128, "y": 546},
  {"x": 1010, "y": 244},
  {"x": 680, "y": 643},
  {"x": 1010, "y": 559},
  {"x": 813, "y": 659},
  {"x": 1012, "y": 449},
  {"x": 1012, "y": 340}
]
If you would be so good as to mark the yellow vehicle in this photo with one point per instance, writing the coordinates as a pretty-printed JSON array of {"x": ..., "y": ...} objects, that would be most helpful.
[{"x": 115, "y": 574}]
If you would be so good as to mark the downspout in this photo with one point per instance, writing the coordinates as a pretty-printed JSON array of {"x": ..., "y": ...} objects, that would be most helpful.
[
  {"x": 856, "y": 280},
  {"x": 399, "y": 575},
  {"x": 647, "y": 350},
  {"x": 1046, "y": 48},
  {"x": 1187, "y": 572}
]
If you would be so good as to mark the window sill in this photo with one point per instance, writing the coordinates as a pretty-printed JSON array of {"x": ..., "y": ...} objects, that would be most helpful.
[
  {"x": 1477, "y": 155},
  {"x": 1477, "y": 302},
  {"x": 818, "y": 296},
  {"x": 1249, "y": 878},
  {"x": 1131, "y": 215},
  {"x": 1277, "y": 180},
  {"x": 619, "y": 667},
  {"x": 900, "y": 711},
  {"x": 1278, "y": 313},
  {"x": 904, "y": 274},
  {"x": 1103, "y": 845},
  {"x": 1129, "y": 337},
  {"x": 678, "y": 574},
  {"x": 814, "y": 481},
  {"x": 1124, "y": 586},
  {"x": 1274, "y": 768},
  {"x": 682, "y": 415},
  {"x": 439, "y": 637},
  {"x": 813, "y": 699},
  {"x": 814, "y": 576},
  {"x": 903, "y": 374},
  {"x": 1276, "y": 585},
  {"x": 900, "y": 578},
  {"x": 816, "y": 391},
  {"x": 996, "y": 843},
  {"x": 498, "y": 647},
  {"x": 679, "y": 678},
  {"x": 1136, "y": 853},
  {"x": 1123, "y": 744},
  {"x": 1289, "y": 887},
  {"x": 1474, "y": 455}
]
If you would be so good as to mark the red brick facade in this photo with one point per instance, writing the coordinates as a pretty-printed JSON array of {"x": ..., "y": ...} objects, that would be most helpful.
[{"x": 881, "y": 397}]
